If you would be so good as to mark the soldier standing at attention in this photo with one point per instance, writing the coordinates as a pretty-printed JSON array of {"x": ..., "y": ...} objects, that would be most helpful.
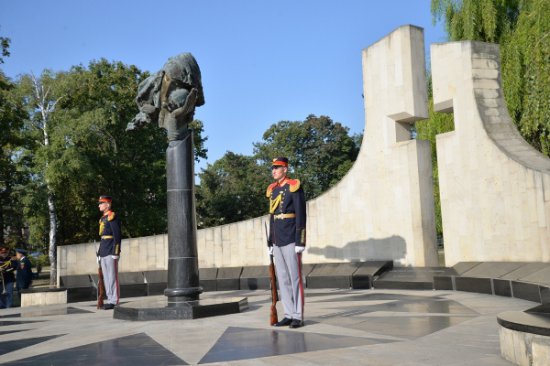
[
  {"x": 287, "y": 240},
  {"x": 23, "y": 278},
  {"x": 109, "y": 251}
]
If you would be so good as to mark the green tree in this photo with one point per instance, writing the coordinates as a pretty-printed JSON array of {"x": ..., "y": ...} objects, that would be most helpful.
[
  {"x": 232, "y": 189},
  {"x": 11, "y": 123},
  {"x": 320, "y": 151},
  {"x": 522, "y": 29},
  {"x": 90, "y": 153}
]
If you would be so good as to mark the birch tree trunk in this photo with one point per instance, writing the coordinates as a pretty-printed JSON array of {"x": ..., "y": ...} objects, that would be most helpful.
[{"x": 46, "y": 107}]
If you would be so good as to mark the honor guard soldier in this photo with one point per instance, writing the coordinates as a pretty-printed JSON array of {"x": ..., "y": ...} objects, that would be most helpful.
[
  {"x": 287, "y": 240},
  {"x": 23, "y": 278},
  {"x": 109, "y": 251}
]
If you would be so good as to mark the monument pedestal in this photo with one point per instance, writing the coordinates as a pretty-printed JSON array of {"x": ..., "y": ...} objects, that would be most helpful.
[
  {"x": 182, "y": 292},
  {"x": 161, "y": 309}
]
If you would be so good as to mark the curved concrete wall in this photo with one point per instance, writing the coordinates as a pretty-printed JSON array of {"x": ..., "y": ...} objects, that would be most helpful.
[{"x": 495, "y": 187}]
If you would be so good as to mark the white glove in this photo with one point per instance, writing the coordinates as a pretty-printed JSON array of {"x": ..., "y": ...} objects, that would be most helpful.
[
  {"x": 115, "y": 256},
  {"x": 299, "y": 249},
  {"x": 270, "y": 250}
]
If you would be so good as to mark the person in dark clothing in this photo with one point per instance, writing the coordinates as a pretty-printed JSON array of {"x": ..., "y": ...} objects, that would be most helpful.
[
  {"x": 24, "y": 270},
  {"x": 109, "y": 250},
  {"x": 287, "y": 240},
  {"x": 7, "y": 270}
]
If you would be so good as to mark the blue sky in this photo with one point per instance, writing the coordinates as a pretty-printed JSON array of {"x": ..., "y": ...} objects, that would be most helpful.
[{"x": 261, "y": 61}]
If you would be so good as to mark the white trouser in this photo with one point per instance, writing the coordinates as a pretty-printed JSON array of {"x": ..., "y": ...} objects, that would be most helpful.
[
  {"x": 109, "y": 266},
  {"x": 288, "y": 278}
]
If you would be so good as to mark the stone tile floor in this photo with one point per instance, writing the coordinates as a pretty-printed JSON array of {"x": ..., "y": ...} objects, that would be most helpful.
[{"x": 343, "y": 327}]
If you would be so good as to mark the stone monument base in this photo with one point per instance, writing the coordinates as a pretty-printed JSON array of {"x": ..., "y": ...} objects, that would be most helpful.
[{"x": 160, "y": 309}]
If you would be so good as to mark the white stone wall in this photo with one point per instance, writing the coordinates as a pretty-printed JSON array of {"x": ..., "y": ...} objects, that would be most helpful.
[{"x": 494, "y": 187}]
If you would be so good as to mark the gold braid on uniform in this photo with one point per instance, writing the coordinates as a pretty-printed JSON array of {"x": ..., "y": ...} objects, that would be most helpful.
[{"x": 274, "y": 203}]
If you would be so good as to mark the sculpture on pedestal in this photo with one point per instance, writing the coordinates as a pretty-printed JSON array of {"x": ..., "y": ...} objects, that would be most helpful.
[{"x": 169, "y": 98}]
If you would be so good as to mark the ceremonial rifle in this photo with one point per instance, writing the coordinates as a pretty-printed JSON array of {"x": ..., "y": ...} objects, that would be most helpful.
[
  {"x": 273, "y": 318},
  {"x": 100, "y": 284}
]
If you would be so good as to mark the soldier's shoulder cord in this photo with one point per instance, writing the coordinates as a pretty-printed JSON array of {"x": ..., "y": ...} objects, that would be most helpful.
[{"x": 294, "y": 184}]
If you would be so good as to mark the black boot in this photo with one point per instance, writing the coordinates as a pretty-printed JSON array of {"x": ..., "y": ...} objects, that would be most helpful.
[
  {"x": 283, "y": 323},
  {"x": 296, "y": 323}
]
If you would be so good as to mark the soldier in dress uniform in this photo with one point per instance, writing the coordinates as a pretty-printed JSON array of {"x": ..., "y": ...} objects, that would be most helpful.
[
  {"x": 287, "y": 240},
  {"x": 24, "y": 270},
  {"x": 109, "y": 251}
]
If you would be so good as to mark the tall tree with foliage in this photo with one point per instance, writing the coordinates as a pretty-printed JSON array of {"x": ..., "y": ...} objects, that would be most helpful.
[
  {"x": 522, "y": 29},
  {"x": 11, "y": 122},
  {"x": 90, "y": 153},
  {"x": 232, "y": 189},
  {"x": 320, "y": 151}
]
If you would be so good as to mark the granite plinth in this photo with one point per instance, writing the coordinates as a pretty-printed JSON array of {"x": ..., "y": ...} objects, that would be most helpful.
[
  {"x": 364, "y": 276},
  {"x": 254, "y": 278},
  {"x": 526, "y": 291},
  {"x": 228, "y": 278},
  {"x": 160, "y": 309},
  {"x": 79, "y": 288},
  {"x": 410, "y": 278},
  {"x": 502, "y": 287},
  {"x": 332, "y": 275},
  {"x": 444, "y": 283},
  {"x": 474, "y": 284},
  {"x": 207, "y": 279}
]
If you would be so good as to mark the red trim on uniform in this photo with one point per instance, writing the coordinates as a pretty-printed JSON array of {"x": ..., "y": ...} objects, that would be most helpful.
[
  {"x": 116, "y": 283},
  {"x": 301, "y": 283},
  {"x": 279, "y": 163}
]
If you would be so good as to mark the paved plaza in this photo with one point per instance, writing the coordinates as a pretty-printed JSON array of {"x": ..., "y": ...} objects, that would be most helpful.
[{"x": 343, "y": 327}]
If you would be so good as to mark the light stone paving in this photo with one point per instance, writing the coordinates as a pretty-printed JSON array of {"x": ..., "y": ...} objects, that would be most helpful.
[{"x": 343, "y": 327}]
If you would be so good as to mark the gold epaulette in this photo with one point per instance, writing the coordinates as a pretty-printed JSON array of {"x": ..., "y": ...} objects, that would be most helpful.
[
  {"x": 270, "y": 189},
  {"x": 111, "y": 216},
  {"x": 294, "y": 184}
]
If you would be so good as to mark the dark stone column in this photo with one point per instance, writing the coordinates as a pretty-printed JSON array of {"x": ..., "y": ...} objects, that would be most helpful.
[{"x": 183, "y": 266}]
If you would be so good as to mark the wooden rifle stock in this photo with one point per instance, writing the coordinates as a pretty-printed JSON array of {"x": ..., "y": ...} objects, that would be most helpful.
[
  {"x": 273, "y": 318},
  {"x": 100, "y": 286}
]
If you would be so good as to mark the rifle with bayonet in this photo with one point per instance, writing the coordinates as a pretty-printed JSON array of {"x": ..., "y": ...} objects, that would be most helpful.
[{"x": 273, "y": 318}]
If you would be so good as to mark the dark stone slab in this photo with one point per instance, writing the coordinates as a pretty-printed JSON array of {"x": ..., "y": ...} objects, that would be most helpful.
[
  {"x": 474, "y": 284},
  {"x": 159, "y": 276},
  {"x": 135, "y": 350},
  {"x": 526, "y": 291},
  {"x": 76, "y": 281},
  {"x": 19, "y": 322},
  {"x": 364, "y": 276},
  {"x": 228, "y": 278},
  {"x": 207, "y": 278},
  {"x": 492, "y": 269},
  {"x": 534, "y": 323},
  {"x": 410, "y": 278},
  {"x": 78, "y": 294},
  {"x": 79, "y": 288},
  {"x": 307, "y": 268},
  {"x": 332, "y": 275},
  {"x": 160, "y": 309},
  {"x": 502, "y": 287},
  {"x": 539, "y": 309},
  {"x": 462, "y": 267},
  {"x": 544, "y": 294},
  {"x": 254, "y": 278},
  {"x": 36, "y": 290},
  {"x": 248, "y": 343},
  {"x": 443, "y": 283},
  {"x": 525, "y": 270},
  {"x": 157, "y": 282},
  {"x": 132, "y": 284},
  {"x": 10, "y": 346},
  {"x": 541, "y": 277}
]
